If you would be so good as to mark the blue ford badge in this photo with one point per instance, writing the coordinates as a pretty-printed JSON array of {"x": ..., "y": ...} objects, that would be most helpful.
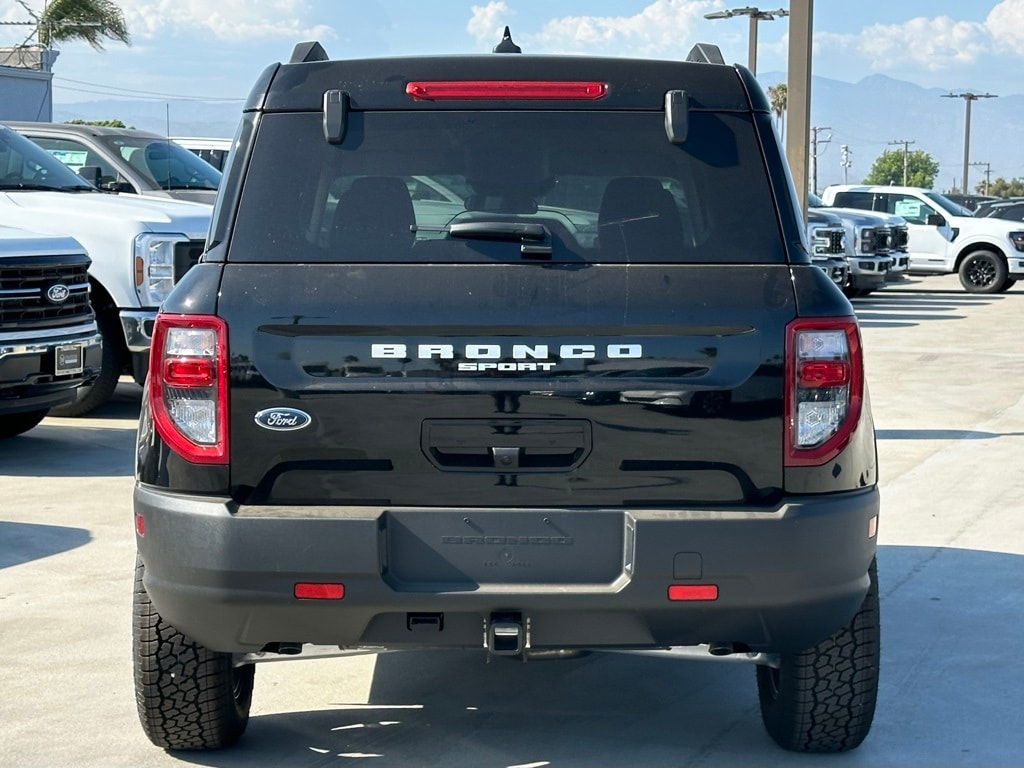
[{"x": 283, "y": 419}]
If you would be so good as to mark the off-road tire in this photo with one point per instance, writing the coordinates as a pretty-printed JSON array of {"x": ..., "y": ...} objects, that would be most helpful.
[
  {"x": 983, "y": 272},
  {"x": 15, "y": 423},
  {"x": 188, "y": 696},
  {"x": 91, "y": 396},
  {"x": 823, "y": 699}
]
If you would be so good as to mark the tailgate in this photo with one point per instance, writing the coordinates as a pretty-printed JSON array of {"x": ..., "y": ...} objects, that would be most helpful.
[{"x": 506, "y": 385}]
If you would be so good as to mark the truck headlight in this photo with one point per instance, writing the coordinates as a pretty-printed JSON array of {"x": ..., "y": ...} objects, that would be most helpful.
[
  {"x": 1017, "y": 238},
  {"x": 154, "y": 267},
  {"x": 867, "y": 240}
]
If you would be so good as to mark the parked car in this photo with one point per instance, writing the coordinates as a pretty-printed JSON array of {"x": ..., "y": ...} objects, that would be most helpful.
[
  {"x": 368, "y": 427},
  {"x": 127, "y": 160},
  {"x": 987, "y": 254},
  {"x": 970, "y": 202},
  {"x": 213, "y": 151},
  {"x": 139, "y": 246},
  {"x": 1011, "y": 209},
  {"x": 827, "y": 240},
  {"x": 49, "y": 343}
]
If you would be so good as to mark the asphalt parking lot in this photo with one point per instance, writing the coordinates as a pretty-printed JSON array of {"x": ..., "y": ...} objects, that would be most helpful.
[{"x": 946, "y": 379}]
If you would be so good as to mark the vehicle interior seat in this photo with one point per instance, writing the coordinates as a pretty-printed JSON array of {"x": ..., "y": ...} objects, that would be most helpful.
[
  {"x": 638, "y": 218},
  {"x": 374, "y": 216}
]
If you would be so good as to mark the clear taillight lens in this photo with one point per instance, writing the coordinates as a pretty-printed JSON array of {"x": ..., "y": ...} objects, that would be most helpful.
[
  {"x": 824, "y": 388},
  {"x": 188, "y": 386}
]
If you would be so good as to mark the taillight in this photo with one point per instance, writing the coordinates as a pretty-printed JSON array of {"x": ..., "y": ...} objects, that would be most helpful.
[
  {"x": 824, "y": 388},
  {"x": 188, "y": 386},
  {"x": 437, "y": 90}
]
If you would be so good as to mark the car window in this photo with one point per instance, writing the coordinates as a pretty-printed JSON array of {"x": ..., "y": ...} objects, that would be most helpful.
[
  {"x": 603, "y": 186},
  {"x": 163, "y": 163},
  {"x": 862, "y": 200},
  {"x": 914, "y": 210},
  {"x": 76, "y": 155},
  {"x": 22, "y": 162}
]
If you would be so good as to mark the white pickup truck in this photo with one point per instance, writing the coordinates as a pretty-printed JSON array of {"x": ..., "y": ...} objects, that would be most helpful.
[
  {"x": 139, "y": 247},
  {"x": 987, "y": 254}
]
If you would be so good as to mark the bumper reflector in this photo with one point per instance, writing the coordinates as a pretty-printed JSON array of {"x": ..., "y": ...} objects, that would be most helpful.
[
  {"x": 312, "y": 590},
  {"x": 692, "y": 592}
]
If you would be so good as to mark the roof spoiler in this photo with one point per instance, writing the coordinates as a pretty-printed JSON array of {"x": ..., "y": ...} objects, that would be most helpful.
[{"x": 705, "y": 53}]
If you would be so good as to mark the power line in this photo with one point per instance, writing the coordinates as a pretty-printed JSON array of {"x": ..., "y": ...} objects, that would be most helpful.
[{"x": 112, "y": 90}]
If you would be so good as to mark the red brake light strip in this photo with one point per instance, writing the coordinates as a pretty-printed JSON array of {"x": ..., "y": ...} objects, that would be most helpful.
[{"x": 440, "y": 90}]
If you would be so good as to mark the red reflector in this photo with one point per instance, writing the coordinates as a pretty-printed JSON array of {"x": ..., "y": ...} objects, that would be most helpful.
[
  {"x": 505, "y": 89},
  {"x": 140, "y": 525},
  {"x": 679, "y": 592},
  {"x": 189, "y": 372},
  {"x": 312, "y": 590},
  {"x": 824, "y": 373}
]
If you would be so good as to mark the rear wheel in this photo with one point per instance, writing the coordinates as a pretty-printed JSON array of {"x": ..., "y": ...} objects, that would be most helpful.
[
  {"x": 823, "y": 699},
  {"x": 983, "y": 272},
  {"x": 188, "y": 696},
  {"x": 15, "y": 423}
]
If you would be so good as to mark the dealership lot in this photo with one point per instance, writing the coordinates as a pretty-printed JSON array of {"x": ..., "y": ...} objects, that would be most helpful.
[{"x": 946, "y": 378}]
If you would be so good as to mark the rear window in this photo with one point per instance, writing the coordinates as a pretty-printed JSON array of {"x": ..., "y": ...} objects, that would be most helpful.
[{"x": 482, "y": 186}]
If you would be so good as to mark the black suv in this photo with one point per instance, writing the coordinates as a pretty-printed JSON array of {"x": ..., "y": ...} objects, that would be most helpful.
[{"x": 387, "y": 409}]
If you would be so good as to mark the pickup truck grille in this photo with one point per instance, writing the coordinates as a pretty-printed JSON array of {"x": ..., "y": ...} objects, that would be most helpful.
[
  {"x": 24, "y": 301},
  {"x": 828, "y": 242},
  {"x": 186, "y": 256},
  {"x": 900, "y": 238}
]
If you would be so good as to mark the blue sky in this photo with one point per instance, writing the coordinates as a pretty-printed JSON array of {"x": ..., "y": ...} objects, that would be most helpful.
[{"x": 214, "y": 49}]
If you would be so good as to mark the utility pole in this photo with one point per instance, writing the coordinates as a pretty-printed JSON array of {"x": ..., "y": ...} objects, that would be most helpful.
[
  {"x": 988, "y": 176},
  {"x": 814, "y": 153},
  {"x": 906, "y": 158},
  {"x": 845, "y": 161},
  {"x": 968, "y": 98}
]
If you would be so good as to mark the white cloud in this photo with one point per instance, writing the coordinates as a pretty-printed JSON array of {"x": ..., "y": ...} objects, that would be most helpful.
[
  {"x": 487, "y": 22},
  {"x": 663, "y": 28},
  {"x": 234, "y": 20},
  {"x": 1005, "y": 22}
]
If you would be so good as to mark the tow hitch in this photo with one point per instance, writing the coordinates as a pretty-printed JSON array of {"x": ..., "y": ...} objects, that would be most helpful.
[{"x": 505, "y": 634}]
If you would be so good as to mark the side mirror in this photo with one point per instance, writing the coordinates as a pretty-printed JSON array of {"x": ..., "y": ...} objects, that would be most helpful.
[
  {"x": 118, "y": 186},
  {"x": 935, "y": 220},
  {"x": 91, "y": 173}
]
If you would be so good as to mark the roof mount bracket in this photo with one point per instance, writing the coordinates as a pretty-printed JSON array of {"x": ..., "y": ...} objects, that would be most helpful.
[
  {"x": 335, "y": 115},
  {"x": 677, "y": 115}
]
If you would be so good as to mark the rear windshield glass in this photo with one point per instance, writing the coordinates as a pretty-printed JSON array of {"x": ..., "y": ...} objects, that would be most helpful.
[{"x": 452, "y": 186}]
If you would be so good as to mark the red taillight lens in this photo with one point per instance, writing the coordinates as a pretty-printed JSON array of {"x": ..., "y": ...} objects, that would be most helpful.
[
  {"x": 505, "y": 89},
  {"x": 824, "y": 388},
  {"x": 188, "y": 372}
]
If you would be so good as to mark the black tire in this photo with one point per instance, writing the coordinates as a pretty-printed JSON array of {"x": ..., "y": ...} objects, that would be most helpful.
[
  {"x": 823, "y": 699},
  {"x": 1008, "y": 283},
  {"x": 92, "y": 396},
  {"x": 983, "y": 272},
  {"x": 15, "y": 423},
  {"x": 188, "y": 696}
]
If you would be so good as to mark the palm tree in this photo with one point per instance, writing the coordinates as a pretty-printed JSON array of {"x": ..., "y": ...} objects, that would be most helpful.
[
  {"x": 779, "y": 96},
  {"x": 88, "y": 20}
]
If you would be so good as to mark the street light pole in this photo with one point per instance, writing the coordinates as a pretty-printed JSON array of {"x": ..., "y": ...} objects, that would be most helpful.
[
  {"x": 756, "y": 15},
  {"x": 968, "y": 98}
]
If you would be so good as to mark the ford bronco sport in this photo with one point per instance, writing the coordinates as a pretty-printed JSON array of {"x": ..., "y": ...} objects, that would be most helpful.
[{"x": 385, "y": 410}]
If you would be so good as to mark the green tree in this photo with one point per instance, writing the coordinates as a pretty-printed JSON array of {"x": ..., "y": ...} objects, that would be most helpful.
[
  {"x": 888, "y": 169},
  {"x": 102, "y": 123},
  {"x": 1006, "y": 188},
  {"x": 778, "y": 95},
  {"x": 90, "y": 20}
]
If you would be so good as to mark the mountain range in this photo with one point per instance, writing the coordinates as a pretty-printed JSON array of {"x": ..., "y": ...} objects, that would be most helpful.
[{"x": 871, "y": 116}]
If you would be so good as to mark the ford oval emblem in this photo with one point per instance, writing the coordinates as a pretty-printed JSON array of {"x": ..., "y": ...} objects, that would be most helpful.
[
  {"x": 283, "y": 419},
  {"x": 58, "y": 294}
]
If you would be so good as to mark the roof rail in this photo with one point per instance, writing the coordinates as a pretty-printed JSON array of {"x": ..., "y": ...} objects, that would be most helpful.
[
  {"x": 306, "y": 52},
  {"x": 706, "y": 53}
]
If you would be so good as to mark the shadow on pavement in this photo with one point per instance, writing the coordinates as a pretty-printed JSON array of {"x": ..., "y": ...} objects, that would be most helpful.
[
  {"x": 24, "y": 542},
  {"x": 952, "y": 694}
]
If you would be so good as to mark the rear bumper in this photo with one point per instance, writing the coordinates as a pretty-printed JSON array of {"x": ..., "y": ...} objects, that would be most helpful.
[{"x": 786, "y": 578}]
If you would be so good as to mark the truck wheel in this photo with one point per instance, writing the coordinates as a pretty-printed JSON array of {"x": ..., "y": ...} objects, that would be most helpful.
[
  {"x": 92, "y": 396},
  {"x": 188, "y": 696},
  {"x": 823, "y": 699},
  {"x": 982, "y": 272},
  {"x": 1007, "y": 285},
  {"x": 15, "y": 423}
]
